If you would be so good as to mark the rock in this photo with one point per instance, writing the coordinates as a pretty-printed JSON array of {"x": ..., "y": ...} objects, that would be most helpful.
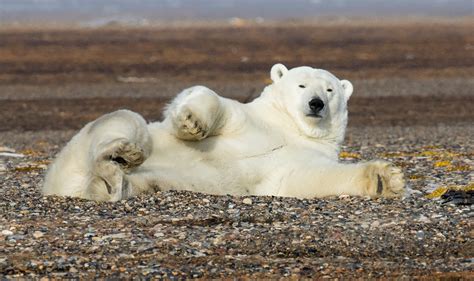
[
  {"x": 375, "y": 224},
  {"x": 7, "y": 232},
  {"x": 424, "y": 219},
  {"x": 420, "y": 234},
  {"x": 247, "y": 201},
  {"x": 6, "y": 149},
  {"x": 115, "y": 236},
  {"x": 13, "y": 155},
  {"x": 38, "y": 234}
]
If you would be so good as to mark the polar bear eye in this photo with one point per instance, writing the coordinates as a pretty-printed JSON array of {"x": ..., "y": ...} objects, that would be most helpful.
[
  {"x": 302, "y": 86},
  {"x": 329, "y": 90}
]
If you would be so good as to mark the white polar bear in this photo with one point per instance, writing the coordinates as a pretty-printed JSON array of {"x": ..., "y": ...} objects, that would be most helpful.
[{"x": 283, "y": 143}]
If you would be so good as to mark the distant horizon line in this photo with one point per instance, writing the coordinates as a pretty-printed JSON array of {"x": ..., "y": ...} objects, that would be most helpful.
[{"x": 242, "y": 22}]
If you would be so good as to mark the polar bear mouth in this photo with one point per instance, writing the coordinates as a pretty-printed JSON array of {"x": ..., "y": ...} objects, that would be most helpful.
[{"x": 314, "y": 115}]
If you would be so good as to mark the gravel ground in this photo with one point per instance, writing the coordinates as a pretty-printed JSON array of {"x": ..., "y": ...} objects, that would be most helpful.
[{"x": 185, "y": 234}]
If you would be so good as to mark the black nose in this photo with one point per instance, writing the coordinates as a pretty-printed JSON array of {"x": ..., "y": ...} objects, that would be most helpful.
[{"x": 316, "y": 105}]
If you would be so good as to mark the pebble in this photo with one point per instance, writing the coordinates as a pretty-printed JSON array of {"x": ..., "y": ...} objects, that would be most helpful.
[
  {"x": 38, "y": 234},
  {"x": 375, "y": 224},
  {"x": 115, "y": 236},
  {"x": 247, "y": 201},
  {"x": 7, "y": 232},
  {"x": 424, "y": 219},
  {"x": 420, "y": 234},
  {"x": 6, "y": 149},
  {"x": 10, "y": 154}
]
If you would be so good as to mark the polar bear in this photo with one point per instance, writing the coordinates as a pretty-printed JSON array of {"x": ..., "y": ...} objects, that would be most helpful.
[{"x": 283, "y": 143}]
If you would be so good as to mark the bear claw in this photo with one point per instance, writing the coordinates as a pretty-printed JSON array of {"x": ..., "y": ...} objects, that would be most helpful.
[{"x": 379, "y": 185}]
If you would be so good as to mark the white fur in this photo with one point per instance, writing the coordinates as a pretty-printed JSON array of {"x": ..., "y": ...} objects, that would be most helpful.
[{"x": 207, "y": 143}]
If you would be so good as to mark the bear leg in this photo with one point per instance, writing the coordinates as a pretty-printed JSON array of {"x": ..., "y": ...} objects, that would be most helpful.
[{"x": 95, "y": 163}]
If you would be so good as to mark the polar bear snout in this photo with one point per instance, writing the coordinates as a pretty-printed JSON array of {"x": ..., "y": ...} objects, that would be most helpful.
[{"x": 316, "y": 105}]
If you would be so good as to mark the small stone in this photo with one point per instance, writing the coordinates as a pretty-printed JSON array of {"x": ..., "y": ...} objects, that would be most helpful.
[
  {"x": 114, "y": 236},
  {"x": 375, "y": 224},
  {"x": 205, "y": 200},
  {"x": 424, "y": 219},
  {"x": 38, "y": 234},
  {"x": 73, "y": 270},
  {"x": 247, "y": 201},
  {"x": 7, "y": 232},
  {"x": 7, "y": 149},
  {"x": 159, "y": 234},
  {"x": 10, "y": 154}
]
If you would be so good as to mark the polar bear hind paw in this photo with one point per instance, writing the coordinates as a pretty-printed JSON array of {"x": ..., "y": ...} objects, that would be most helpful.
[
  {"x": 116, "y": 159},
  {"x": 126, "y": 154},
  {"x": 385, "y": 180}
]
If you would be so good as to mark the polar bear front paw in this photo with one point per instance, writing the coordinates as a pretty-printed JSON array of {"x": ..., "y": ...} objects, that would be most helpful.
[
  {"x": 188, "y": 126},
  {"x": 385, "y": 179},
  {"x": 194, "y": 113}
]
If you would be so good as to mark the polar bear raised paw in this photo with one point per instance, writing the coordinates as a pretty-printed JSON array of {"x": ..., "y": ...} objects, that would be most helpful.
[
  {"x": 188, "y": 126},
  {"x": 194, "y": 113},
  {"x": 385, "y": 179}
]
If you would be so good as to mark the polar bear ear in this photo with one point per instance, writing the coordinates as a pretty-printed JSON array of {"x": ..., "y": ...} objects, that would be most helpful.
[
  {"x": 278, "y": 70},
  {"x": 348, "y": 88}
]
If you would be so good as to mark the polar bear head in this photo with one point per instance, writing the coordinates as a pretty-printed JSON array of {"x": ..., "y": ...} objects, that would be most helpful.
[{"x": 314, "y": 98}]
